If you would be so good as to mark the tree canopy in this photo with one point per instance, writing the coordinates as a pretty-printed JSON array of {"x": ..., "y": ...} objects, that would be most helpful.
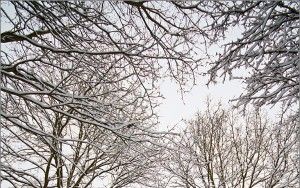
[{"x": 80, "y": 80}]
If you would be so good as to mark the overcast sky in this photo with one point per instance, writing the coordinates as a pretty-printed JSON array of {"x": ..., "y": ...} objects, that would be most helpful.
[{"x": 173, "y": 109}]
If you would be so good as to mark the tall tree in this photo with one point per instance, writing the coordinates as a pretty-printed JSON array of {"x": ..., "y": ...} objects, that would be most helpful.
[
  {"x": 223, "y": 149},
  {"x": 79, "y": 88},
  {"x": 70, "y": 70}
]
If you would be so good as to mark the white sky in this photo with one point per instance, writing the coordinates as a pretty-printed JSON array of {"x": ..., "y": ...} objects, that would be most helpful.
[{"x": 173, "y": 108}]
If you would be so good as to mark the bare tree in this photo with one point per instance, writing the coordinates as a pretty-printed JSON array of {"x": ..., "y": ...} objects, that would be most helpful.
[
  {"x": 106, "y": 48},
  {"x": 268, "y": 49},
  {"x": 222, "y": 149},
  {"x": 45, "y": 148},
  {"x": 79, "y": 79},
  {"x": 73, "y": 154},
  {"x": 79, "y": 88}
]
